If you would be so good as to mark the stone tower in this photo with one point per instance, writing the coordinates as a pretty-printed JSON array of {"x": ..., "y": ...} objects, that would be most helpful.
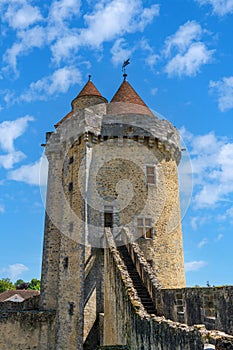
[{"x": 110, "y": 165}]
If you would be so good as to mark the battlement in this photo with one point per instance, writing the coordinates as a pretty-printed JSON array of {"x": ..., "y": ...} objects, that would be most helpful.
[{"x": 96, "y": 122}]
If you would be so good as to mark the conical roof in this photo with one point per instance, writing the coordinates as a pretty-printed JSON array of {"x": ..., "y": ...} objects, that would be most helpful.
[
  {"x": 126, "y": 93},
  {"x": 129, "y": 99},
  {"x": 89, "y": 89},
  {"x": 87, "y": 97}
]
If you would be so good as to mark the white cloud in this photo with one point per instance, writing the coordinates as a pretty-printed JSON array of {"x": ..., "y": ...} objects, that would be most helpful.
[
  {"x": 2, "y": 208},
  {"x": 105, "y": 23},
  {"x": 63, "y": 10},
  {"x": 21, "y": 15},
  {"x": 198, "y": 221},
  {"x": 220, "y": 7},
  {"x": 194, "y": 222},
  {"x": 14, "y": 271},
  {"x": 7, "y": 161},
  {"x": 189, "y": 63},
  {"x": 203, "y": 242},
  {"x": 9, "y": 132},
  {"x": 147, "y": 15},
  {"x": 189, "y": 53},
  {"x": 219, "y": 237},
  {"x": 32, "y": 174},
  {"x": 228, "y": 215},
  {"x": 154, "y": 91},
  {"x": 224, "y": 91},
  {"x": 59, "y": 82},
  {"x": 229, "y": 212},
  {"x": 194, "y": 265},
  {"x": 54, "y": 27},
  {"x": 212, "y": 162},
  {"x": 35, "y": 37},
  {"x": 184, "y": 36},
  {"x": 151, "y": 57},
  {"x": 120, "y": 52}
]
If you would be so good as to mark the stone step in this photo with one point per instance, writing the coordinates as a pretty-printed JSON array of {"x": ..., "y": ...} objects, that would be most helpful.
[{"x": 137, "y": 282}]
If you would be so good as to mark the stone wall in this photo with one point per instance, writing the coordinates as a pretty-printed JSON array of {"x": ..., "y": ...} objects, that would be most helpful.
[
  {"x": 28, "y": 304},
  {"x": 31, "y": 330},
  {"x": 118, "y": 161},
  {"x": 70, "y": 289},
  {"x": 210, "y": 306},
  {"x": 127, "y": 323}
]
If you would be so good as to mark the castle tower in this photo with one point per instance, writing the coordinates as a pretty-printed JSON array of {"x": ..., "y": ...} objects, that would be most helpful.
[{"x": 111, "y": 165}]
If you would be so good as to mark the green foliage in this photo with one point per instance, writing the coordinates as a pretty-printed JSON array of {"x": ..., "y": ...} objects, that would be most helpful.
[
  {"x": 18, "y": 282},
  {"x": 6, "y": 284},
  {"x": 34, "y": 284}
]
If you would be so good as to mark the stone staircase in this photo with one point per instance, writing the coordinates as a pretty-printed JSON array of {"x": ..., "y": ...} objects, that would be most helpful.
[{"x": 137, "y": 282}]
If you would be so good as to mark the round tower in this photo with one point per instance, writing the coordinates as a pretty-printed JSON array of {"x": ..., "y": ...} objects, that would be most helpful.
[
  {"x": 133, "y": 182},
  {"x": 110, "y": 165}
]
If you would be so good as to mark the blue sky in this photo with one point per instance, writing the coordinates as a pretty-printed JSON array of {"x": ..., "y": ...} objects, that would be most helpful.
[{"x": 181, "y": 65}]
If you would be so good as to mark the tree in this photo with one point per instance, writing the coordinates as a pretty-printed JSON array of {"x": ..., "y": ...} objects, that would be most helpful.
[
  {"x": 6, "y": 284},
  {"x": 34, "y": 284},
  {"x": 18, "y": 282}
]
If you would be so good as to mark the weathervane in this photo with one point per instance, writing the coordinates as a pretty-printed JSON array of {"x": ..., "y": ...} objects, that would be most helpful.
[{"x": 126, "y": 62}]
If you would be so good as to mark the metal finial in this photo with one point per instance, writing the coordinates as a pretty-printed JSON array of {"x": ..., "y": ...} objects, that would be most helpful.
[
  {"x": 89, "y": 77},
  {"x": 126, "y": 62}
]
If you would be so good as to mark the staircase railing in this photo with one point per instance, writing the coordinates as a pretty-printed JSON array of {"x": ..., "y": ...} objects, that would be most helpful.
[{"x": 143, "y": 268}]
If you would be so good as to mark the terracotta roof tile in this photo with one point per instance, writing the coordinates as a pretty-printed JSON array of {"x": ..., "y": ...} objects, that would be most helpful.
[
  {"x": 89, "y": 89},
  {"x": 126, "y": 93},
  {"x": 25, "y": 294},
  {"x": 126, "y": 100},
  {"x": 88, "y": 92}
]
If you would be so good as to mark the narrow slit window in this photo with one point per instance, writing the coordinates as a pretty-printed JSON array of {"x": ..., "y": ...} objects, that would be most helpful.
[
  {"x": 70, "y": 187},
  {"x": 150, "y": 174},
  {"x": 108, "y": 216},
  {"x": 66, "y": 262}
]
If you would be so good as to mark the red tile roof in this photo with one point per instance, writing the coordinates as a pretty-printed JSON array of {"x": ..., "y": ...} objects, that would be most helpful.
[
  {"x": 89, "y": 89},
  {"x": 126, "y": 93},
  {"x": 25, "y": 294},
  {"x": 126, "y": 100}
]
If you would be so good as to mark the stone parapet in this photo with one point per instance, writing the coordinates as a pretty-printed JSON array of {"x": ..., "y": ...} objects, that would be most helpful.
[
  {"x": 28, "y": 304},
  {"x": 32, "y": 330},
  {"x": 144, "y": 269},
  {"x": 94, "y": 120},
  {"x": 126, "y": 322},
  {"x": 211, "y": 306}
]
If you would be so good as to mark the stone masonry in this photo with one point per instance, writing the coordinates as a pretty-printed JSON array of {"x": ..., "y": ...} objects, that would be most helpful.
[{"x": 113, "y": 182}]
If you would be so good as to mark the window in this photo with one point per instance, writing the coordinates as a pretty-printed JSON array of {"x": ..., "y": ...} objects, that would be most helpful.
[
  {"x": 70, "y": 186},
  {"x": 150, "y": 174},
  {"x": 66, "y": 262},
  {"x": 108, "y": 216},
  {"x": 71, "y": 160},
  {"x": 144, "y": 227}
]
